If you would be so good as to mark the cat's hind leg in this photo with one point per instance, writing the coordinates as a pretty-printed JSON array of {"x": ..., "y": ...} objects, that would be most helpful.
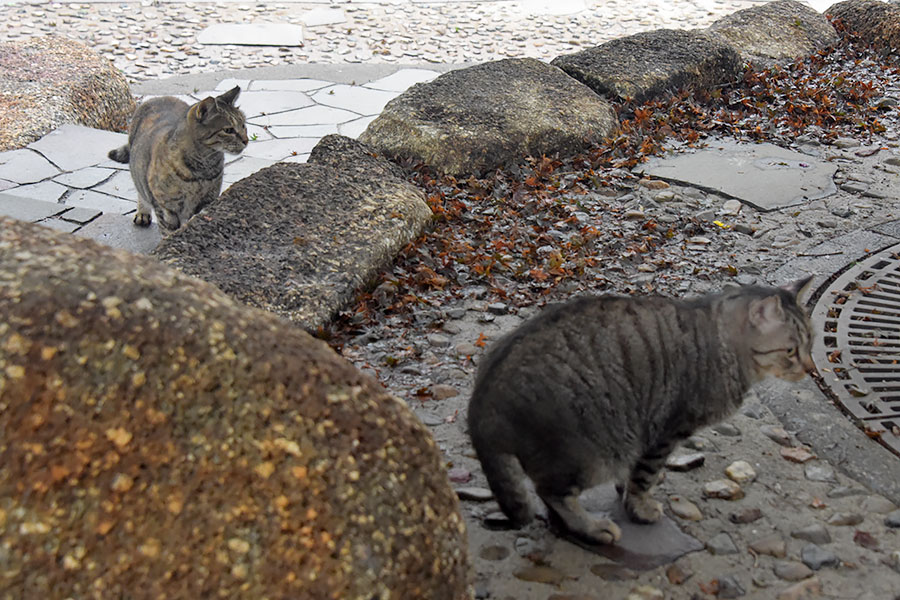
[
  {"x": 506, "y": 480},
  {"x": 639, "y": 502},
  {"x": 142, "y": 217}
]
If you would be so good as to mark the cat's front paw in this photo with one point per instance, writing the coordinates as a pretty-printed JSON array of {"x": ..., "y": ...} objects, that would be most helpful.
[
  {"x": 603, "y": 531},
  {"x": 643, "y": 509},
  {"x": 142, "y": 219}
]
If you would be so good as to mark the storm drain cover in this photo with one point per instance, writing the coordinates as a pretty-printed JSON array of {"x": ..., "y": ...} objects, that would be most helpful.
[{"x": 857, "y": 349}]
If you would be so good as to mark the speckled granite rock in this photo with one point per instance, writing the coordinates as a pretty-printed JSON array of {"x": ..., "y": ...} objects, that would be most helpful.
[
  {"x": 877, "y": 22},
  {"x": 476, "y": 119},
  {"x": 48, "y": 81},
  {"x": 301, "y": 239},
  {"x": 775, "y": 32},
  {"x": 650, "y": 64},
  {"x": 160, "y": 440}
]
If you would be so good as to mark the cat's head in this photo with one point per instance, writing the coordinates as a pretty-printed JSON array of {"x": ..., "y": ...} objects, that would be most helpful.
[
  {"x": 219, "y": 124},
  {"x": 779, "y": 332}
]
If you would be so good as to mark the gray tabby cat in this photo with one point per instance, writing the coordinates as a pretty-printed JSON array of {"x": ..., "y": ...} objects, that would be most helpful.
[
  {"x": 603, "y": 388},
  {"x": 175, "y": 154}
]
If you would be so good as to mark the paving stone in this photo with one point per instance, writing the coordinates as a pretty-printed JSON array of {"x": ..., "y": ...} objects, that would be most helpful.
[
  {"x": 84, "y": 178},
  {"x": 5, "y": 185},
  {"x": 255, "y": 104},
  {"x": 817, "y": 534},
  {"x": 120, "y": 185},
  {"x": 48, "y": 191},
  {"x": 101, "y": 202},
  {"x": 59, "y": 225},
  {"x": 358, "y": 99},
  {"x": 80, "y": 216},
  {"x": 311, "y": 115},
  {"x": 227, "y": 84},
  {"x": 736, "y": 168},
  {"x": 252, "y": 34},
  {"x": 815, "y": 557},
  {"x": 27, "y": 209},
  {"x": 791, "y": 570},
  {"x": 277, "y": 150},
  {"x": 244, "y": 166},
  {"x": 73, "y": 147},
  {"x": 283, "y": 85},
  {"x": 308, "y": 131},
  {"x": 402, "y": 80},
  {"x": 721, "y": 544},
  {"x": 323, "y": 16},
  {"x": 25, "y": 166},
  {"x": 119, "y": 231}
]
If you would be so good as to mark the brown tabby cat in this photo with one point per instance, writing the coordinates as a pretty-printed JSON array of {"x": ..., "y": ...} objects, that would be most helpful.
[
  {"x": 175, "y": 154},
  {"x": 603, "y": 388}
]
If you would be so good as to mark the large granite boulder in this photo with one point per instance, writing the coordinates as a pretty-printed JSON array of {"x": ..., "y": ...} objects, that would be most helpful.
[
  {"x": 48, "y": 81},
  {"x": 775, "y": 32},
  {"x": 476, "y": 119},
  {"x": 301, "y": 239},
  {"x": 161, "y": 440},
  {"x": 651, "y": 64},
  {"x": 876, "y": 22}
]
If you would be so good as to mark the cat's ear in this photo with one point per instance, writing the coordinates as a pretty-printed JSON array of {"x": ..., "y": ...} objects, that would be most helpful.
[
  {"x": 766, "y": 314},
  {"x": 798, "y": 287},
  {"x": 204, "y": 107},
  {"x": 230, "y": 96}
]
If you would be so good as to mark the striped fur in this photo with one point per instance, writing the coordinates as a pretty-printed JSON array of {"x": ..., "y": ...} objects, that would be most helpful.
[
  {"x": 176, "y": 155},
  {"x": 603, "y": 388}
]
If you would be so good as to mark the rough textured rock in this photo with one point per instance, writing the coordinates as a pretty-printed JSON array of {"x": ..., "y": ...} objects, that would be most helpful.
[
  {"x": 878, "y": 23},
  {"x": 301, "y": 239},
  {"x": 161, "y": 439},
  {"x": 775, "y": 32},
  {"x": 653, "y": 63},
  {"x": 483, "y": 117},
  {"x": 48, "y": 81}
]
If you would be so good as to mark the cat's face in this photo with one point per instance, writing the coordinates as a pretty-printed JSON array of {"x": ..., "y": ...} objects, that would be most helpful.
[
  {"x": 220, "y": 125},
  {"x": 781, "y": 336}
]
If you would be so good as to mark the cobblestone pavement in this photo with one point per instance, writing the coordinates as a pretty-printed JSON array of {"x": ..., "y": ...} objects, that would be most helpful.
[{"x": 152, "y": 39}]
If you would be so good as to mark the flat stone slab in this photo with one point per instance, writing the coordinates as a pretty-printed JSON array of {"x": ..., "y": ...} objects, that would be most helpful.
[
  {"x": 25, "y": 166},
  {"x": 641, "y": 546},
  {"x": 118, "y": 231},
  {"x": 252, "y": 34},
  {"x": 402, "y": 80},
  {"x": 323, "y": 16},
  {"x": 259, "y": 103},
  {"x": 358, "y": 99},
  {"x": 300, "y": 239},
  {"x": 763, "y": 176},
  {"x": 27, "y": 209},
  {"x": 73, "y": 147}
]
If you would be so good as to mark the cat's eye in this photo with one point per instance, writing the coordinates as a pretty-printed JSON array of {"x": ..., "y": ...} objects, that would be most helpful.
[
  {"x": 792, "y": 352},
  {"x": 229, "y": 130}
]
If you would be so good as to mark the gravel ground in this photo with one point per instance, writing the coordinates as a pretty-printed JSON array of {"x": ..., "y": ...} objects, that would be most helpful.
[{"x": 152, "y": 39}]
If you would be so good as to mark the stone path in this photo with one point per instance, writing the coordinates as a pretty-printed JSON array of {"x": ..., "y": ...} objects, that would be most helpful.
[
  {"x": 151, "y": 39},
  {"x": 65, "y": 180}
]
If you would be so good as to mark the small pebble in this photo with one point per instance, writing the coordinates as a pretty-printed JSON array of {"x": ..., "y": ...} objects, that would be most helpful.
[
  {"x": 771, "y": 545},
  {"x": 819, "y": 472},
  {"x": 792, "y": 570},
  {"x": 816, "y": 557},
  {"x": 817, "y": 534},
  {"x": 801, "y": 591},
  {"x": 724, "y": 489},
  {"x": 685, "y": 509},
  {"x": 747, "y": 515},
  {"x": 476, "y": 494},
  {"x": 459, "y": 475},
  {"x": 893, "y": 520},
  {"x": 540, "y": 574},
  {"x": 740, "y": 471},
  {"x": 612, "y": 572},
  {"x": 494, "y": 553},
  {"x": 726, "y": 429},
  {"x": 777, "y": 435},
  {"x": 877, "y": 505},
  {"x": 844, "y": 519},
  {"x": 844, "y": 491},
  {"x": 685, "y": 462},
  {"x": 797, "y": 455},
  {"x": 730, "y": 587},
  {"x": 645, "y": 592},
  {"x": 721, "y": 544}
]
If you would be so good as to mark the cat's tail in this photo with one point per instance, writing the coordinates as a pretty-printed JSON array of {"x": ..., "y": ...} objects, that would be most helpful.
[{"x": 122, "y": 155}]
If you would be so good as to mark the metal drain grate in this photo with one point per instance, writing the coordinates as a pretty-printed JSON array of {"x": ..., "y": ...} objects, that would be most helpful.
[{"x": 857, "y": 349}]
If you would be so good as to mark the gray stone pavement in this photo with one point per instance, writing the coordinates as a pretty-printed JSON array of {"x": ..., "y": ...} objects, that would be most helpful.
[{"x": 65, "y": 180}]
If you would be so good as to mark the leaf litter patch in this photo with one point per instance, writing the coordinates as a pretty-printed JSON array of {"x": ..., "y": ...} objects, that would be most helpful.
[{"x": 548, "y": 228}]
